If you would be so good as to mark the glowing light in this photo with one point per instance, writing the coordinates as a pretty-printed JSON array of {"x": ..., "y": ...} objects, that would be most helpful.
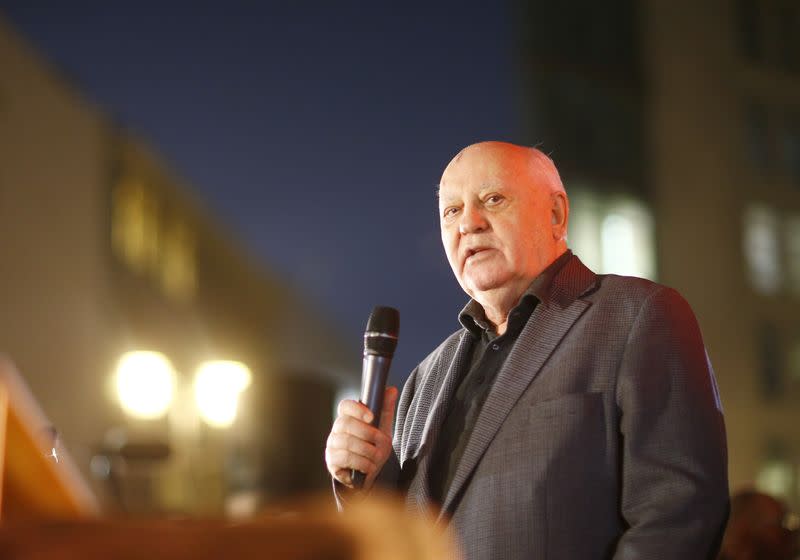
[
  {"x": 775, "y": 478},
  {"x": 217, "y": 386},
  {"x": 585, "y": 216},
  {"x": 627, "y": 240},
  {"x": 619, "y": 252},
  {"x": 792, "y": 234},
  {"x": 145, "y": 384},
  {"x": 612, "y": 234},
  {"x": 762, "y": 248}
]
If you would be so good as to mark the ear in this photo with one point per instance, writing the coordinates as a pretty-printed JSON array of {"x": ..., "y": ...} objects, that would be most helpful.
[{"x": 559, "y": 214}]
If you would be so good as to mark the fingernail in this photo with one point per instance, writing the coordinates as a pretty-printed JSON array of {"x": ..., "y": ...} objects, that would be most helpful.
[{"x": 367, "y": 417}]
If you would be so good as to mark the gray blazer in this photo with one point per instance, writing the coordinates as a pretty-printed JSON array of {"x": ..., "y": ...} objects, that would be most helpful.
[{"x": 602, "y": 436}]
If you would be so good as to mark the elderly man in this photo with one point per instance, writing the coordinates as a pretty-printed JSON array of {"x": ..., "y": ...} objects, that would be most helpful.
[{"x": 573, "y": 416}]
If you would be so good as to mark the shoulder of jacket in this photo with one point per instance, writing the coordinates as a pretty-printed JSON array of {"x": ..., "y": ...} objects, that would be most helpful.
[{"x": 633, "y": 288}]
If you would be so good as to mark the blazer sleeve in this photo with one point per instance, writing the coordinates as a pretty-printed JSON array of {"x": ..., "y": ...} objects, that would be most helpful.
[
  {"x": 674, "y": 495},
  {"x": 389, "y": 476}
]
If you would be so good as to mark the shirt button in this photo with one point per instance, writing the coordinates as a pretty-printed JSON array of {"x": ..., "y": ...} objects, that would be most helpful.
[{"x": 495, "y": 346}]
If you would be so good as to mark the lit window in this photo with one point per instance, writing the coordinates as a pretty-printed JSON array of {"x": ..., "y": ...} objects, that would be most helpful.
[
  {"x": 178, "y": 270},
  {"x": 613, "y": 235},
  {"x": 792, "y": 241},
  {"x": 762, "y": 248},
  {"x": 134, "y": 223},
  {"x": 585, "y": 219},
  {"x": 627, "y": 243},
  {"x": 777, "y": 473},
  {"x": 166, "y": 252},
  {"x": 776, "y": 478}
]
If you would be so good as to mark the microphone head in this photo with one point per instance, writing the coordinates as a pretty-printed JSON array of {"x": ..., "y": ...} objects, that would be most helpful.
[{"x": 383, "y": 325}]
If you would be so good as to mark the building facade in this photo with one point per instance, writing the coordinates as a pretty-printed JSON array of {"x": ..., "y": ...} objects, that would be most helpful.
[
  {"x": 677, "y": 123},
  {"x": 105, "y": 252}
]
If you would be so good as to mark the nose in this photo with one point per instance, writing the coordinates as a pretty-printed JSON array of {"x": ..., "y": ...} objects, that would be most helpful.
[{"x": 472, "y": 220}]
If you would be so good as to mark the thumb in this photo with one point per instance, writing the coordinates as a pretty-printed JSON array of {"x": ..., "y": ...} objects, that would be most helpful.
[{"x": 387, "y": 413}]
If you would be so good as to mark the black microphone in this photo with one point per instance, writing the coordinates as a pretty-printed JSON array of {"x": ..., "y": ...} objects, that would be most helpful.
[{"x": 380, "y": 340}]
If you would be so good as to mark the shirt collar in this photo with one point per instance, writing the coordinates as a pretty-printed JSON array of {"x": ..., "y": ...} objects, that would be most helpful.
[{"x": 473, "y": 317}]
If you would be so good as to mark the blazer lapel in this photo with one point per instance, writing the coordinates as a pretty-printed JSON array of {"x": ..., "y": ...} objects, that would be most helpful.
[
  {"x": 444, "y": 380},
  {"x": 550, "y": 322},
  {"x": 454, "y": 364}
]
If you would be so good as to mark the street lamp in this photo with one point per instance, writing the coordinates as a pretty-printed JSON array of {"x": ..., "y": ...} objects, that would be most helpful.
[
  {"x": 217, "y": 386},
  {"x": 145, "y": 384}
]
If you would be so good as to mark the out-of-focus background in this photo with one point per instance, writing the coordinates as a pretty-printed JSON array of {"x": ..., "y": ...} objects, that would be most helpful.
[{"x": 201, "y": 202}]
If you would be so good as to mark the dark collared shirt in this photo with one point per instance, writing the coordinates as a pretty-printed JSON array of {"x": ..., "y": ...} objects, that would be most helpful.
[{"x": 488, "y": 353}]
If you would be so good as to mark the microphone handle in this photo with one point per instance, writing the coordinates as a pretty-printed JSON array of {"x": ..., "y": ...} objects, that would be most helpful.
[{"x": 374, "y": 372}]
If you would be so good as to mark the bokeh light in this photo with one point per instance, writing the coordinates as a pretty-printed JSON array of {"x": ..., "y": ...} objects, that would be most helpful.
[
  {"x": 145, "y": 384},
  {"x": 217, "y": 386}
]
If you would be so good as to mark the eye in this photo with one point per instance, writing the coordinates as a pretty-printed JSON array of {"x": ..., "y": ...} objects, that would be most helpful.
[
  {"x": 449, "y": 212},
  {"x": 493, "y": 199}
]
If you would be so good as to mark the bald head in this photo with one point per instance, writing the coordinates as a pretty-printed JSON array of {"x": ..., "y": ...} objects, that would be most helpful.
[{"x": 529, "y": 164}]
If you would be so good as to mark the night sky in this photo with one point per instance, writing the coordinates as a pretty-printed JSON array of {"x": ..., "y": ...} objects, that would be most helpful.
[{"x": 316, "y": 131}]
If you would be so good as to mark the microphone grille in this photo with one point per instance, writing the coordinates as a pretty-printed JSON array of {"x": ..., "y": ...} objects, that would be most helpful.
[{"x": 382, "y": 330}]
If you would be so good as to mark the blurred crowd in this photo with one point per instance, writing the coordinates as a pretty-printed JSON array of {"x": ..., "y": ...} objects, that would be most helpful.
[{"x": 760, "y": 527}]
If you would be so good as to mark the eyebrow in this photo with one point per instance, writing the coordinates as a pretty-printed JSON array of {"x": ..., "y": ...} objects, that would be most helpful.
[{"x": 483, "y": 187}]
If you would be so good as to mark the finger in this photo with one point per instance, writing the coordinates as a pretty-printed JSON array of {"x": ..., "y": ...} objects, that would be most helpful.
[
  {"x": 357, "y": 428},
  {"x": 349, "y": 407},
  {"x": 338, "y": 459},
  {"x": 387, "y": 412},
  {"x": 354, "y": 445},
  {"x": 344, "y": 476}
]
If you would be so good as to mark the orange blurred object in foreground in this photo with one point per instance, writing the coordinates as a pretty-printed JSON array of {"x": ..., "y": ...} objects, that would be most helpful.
[
  {"x": 375, "y": 529},
  {"x": 37, "y": 481}
]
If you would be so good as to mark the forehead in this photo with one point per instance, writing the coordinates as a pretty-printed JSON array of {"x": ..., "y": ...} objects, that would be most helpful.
[{"x": 474, "y": 170}]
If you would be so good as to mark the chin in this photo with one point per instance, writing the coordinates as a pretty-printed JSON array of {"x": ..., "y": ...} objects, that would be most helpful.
[{"x": 485, "y": 282}]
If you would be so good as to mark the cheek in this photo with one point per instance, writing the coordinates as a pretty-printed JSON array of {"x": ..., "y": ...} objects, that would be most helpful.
[
  {"x": 536, "y": 228},
  {"x": 450, "y": 244}
]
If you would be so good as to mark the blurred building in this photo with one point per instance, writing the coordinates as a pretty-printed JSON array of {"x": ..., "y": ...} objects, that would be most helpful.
[
  {"x": 104, "y": 251},
  {"x": 677, "y": 127}
]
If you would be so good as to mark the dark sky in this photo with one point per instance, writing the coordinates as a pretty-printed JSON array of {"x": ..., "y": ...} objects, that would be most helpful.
[{"x": 316, "y": 131}]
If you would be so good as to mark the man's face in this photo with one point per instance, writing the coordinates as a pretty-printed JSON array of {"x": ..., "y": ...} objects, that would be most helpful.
[{"x": 496, "y": 224}]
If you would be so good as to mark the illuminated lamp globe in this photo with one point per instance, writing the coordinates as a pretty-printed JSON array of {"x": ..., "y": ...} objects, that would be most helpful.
[
  {"x": 145, "y": 384},
  {"x": 217, "y": 386}
]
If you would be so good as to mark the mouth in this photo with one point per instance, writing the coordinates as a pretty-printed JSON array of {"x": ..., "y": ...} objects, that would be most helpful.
[{"x": 474, "y": 251}]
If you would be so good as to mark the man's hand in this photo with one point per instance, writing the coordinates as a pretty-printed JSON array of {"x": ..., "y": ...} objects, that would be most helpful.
[{"x": 355, "y": 444}]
